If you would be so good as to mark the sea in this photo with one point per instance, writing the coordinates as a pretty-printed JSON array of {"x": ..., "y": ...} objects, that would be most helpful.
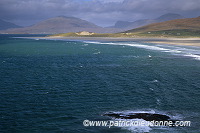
[{"x": 53, "y": 86}]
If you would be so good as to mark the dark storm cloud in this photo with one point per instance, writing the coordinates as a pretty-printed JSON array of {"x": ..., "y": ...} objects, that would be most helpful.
[{"x": 101, "y": 12}]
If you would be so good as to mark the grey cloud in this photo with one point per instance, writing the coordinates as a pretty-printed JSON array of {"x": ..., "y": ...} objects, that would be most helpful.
[{"x": 101, "y": 12}]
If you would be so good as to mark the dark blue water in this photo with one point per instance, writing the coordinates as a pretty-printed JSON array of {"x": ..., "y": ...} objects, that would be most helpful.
[{"x": 53, "y": 85}]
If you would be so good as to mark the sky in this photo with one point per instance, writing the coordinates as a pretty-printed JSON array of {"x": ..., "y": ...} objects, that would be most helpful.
[{"x": 101, "y": 12}]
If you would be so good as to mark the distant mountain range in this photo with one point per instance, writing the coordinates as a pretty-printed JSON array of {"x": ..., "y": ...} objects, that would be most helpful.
[
  {"x": 60, "y": 24},
  {"x": 7, "y": 25},
  {"x": 131, "y": 25},
  {"x": 185, "y": 27}
]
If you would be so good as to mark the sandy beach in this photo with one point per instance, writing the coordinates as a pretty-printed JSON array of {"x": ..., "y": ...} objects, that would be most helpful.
[{"x": 173, "y": 41}]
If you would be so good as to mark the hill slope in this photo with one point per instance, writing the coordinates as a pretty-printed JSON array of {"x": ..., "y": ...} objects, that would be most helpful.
[
  {"x": 7, "y": 25},
  {"x": 187, "y": 26},
  {"x": 142, "y": 22},
  {"x": 59, "y": 24}
]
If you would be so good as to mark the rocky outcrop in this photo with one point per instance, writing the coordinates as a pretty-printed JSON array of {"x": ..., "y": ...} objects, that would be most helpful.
[{"x": 144, "y": 116}]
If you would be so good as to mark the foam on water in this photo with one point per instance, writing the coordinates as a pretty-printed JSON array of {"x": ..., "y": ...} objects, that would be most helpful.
[
  {"x": 155, "y": 81},
  {"x": 176, "y": 50},
  {"x": 145, "y": 128},
  {"x": 91, "y": 42},
  {"x": 138, "y": 129},
  {"x": 85, "y": 44},
  {"x": 97, "y": 52},
  {"x": 82, "y": 85},
  {"x": 197, "y": 57}
]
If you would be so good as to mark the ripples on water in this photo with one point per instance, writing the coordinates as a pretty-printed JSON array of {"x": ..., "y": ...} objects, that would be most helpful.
[{"x": 52, "y": 85}]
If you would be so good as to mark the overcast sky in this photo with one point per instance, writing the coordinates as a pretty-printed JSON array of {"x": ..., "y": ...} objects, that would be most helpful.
[{"x": 100, "y": 12}]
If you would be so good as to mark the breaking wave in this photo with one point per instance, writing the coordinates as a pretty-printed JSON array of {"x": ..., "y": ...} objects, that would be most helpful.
[{"x": 192, "y": 52}]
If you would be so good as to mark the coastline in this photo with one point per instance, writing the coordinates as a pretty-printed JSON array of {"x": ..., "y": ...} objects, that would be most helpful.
[{"x": 172, "y": 41}]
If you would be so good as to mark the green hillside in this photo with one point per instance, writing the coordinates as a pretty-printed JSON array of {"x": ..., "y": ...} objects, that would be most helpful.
[{"x": 178, "y": 27}]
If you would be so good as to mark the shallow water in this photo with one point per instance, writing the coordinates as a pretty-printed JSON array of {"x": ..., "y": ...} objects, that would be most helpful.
[{"x": 53, "y": 85}]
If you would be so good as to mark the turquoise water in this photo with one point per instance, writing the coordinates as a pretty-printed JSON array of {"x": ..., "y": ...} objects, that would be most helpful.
[{"x": 53, "y": 85}]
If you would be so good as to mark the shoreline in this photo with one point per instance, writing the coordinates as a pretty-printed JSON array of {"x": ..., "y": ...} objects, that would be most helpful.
[{"x": 172, "y": 41}]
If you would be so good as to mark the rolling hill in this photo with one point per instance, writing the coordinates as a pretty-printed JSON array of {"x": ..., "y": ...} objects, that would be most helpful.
[
  {"x": 188, "y": 27},
  {"x": 59, "y": 24},
  {"x": 178, "y": 27}
]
